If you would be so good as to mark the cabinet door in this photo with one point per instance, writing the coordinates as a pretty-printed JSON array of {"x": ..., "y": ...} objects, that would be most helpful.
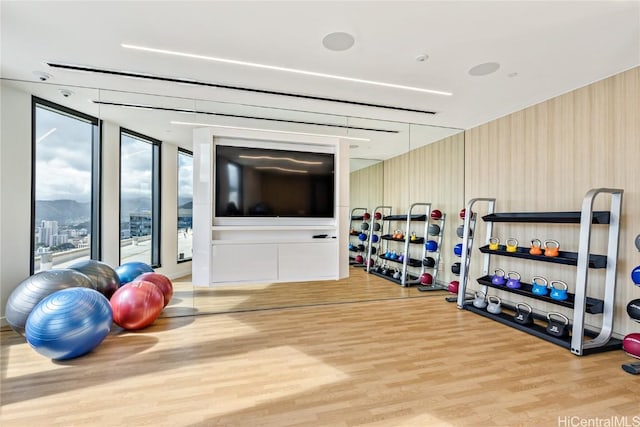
[
  {"x": 308, "y": 261},
  {"x": 255, "y": 262}
]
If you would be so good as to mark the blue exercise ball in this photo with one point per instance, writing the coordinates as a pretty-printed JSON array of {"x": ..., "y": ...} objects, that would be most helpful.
[
  {"x": 69, "y": 323},
  {"x": 102, "y": 275},
  {"x": 33, "y": 289},
  {"x": 128, "y": 271}
]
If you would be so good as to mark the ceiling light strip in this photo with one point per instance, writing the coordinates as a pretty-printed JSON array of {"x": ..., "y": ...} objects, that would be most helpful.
[
  {"x": 285, "y": 69},
  {"x": 352, "y": 138},
  {"x": 238, "y": 116},
  {"x": 221, "y": 86}
]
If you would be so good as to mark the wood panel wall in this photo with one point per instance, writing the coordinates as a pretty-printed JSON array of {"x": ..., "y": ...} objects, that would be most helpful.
[
  {"x": 366, "y": 187},
  {"x": 546, "y": 157}
]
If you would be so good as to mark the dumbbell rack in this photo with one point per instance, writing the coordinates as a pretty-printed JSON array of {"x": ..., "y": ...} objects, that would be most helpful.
[
  {"x": 357, "y": 217},
  {"x": 381, "y": 211},
  {"x": 406, "y": 278},
  {"x": 600, "y": 340}
]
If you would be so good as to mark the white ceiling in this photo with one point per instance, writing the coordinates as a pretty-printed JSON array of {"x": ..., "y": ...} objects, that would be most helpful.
[{"x": 553, "y": 46}]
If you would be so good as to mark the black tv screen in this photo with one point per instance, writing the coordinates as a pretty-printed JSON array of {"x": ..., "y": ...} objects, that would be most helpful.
[{"x": 261, "y": 182}]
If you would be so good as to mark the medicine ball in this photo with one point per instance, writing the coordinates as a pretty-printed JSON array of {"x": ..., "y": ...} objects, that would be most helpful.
[
  {"x": 462, "y": 213},
  {"x": 426, "y": 279},
  {"x": 436, "y": 214},
  {"x": 359, "y": 259},
  {"x": 362, "y": 237},
  {"x": 364, "y": 226},
  {"x": 361, "y": 247},
  {"x": 434, "y": 229},
  {"x": 633, "y": 309},
  {"x": 376, "y": 226},
  {"x": 631, "y": 345},
  {"x": 635, "y": 275},
  {"x": 373, "y": 250},
  {"x": 431, "y": 245},
  {"x": 366, "y": 216},
  {"x": 455, "y": 268},
  {"x": 429, "y": 262},
  {"x": 377, "y": 215},
  {"x": 374, "y": 238},
  {"x": 457, "y": 249},
  {"x": 453, "y": 287}
]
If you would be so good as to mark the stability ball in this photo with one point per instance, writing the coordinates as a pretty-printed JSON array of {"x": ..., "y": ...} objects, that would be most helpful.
[
  {"x": 69, "y": 323},
  {"x": 102, "y": 275},
  {"x": 35, "y": 288},
  {"x": 161, "y": 281},
  {"x": 136, "y": 305},
  {"x": 128, "y": 271}
]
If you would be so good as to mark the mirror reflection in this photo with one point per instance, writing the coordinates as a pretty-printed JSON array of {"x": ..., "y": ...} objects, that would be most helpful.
[{"x": 393, "y": 165}]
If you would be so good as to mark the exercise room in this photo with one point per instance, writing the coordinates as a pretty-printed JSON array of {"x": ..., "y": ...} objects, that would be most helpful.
[{"x": 308, "y": 213}]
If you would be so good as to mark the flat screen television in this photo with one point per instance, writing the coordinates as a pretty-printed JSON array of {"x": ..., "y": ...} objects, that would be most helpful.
[{"x": 265, "y": 182}]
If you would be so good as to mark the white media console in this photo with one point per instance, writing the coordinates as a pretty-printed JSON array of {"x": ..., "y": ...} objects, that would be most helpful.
[{"x": 228, "y": 250}]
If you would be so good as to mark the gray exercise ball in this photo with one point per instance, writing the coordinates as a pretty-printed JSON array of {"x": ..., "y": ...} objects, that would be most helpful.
[{"x": 102, "y": 275}]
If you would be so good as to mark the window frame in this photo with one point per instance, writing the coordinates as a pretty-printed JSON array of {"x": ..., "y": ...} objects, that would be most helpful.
[
  {"x": 182, "y": 151},
  {"x": 156, "y": 194},
  {"x": 95, "y": 251}
]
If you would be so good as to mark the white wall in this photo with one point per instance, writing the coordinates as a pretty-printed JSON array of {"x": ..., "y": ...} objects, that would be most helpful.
[{"x": 15, "y": 196}]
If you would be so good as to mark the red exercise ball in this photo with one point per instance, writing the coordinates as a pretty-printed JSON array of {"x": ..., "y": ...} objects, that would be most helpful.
[
  {"x": 161, "y": 281},
  {"x": 136, "y": 305}
]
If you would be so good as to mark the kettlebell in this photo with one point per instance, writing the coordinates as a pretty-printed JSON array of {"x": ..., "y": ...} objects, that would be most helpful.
[
  {"x": 558, "y": 290},
  {"x": 457, "y": 250},
  {"x": 429, "y": 262},
  {"x": 498, "y": 278},
  {"x": 377, "y": 268},
  {"x": 523, "y": 314},
  {"x": 494, "y": 304},
  {"x": 453, "y": 286},
  {"x": 400, "y": 235},
  {"x": 413, "y": 236},
  {"x": 455, "y": 268},
  {"x": 362, "y": 237},
  {"x": 431, "y": 246},
  {"x": 460, "y": 231},
  {"x": 426, "y": 279},
  {"x": 557, "y": 328},
  {"x": 512, "y": 245},
  {"x": 364, "y": 226},
  {"x": 494, "y": 243},
  {"x": 551, "y": 248},
  {"x": 513, "y": 281},
  {"x": 539, "y": 286},
  {"x": 396, "y": 275},
  {"x": 434, "y": 229},
  {"x": 376, "y": 226},
  {"x": 393, "y": 255},
  {"x": 385, "y": 270},
  {"x": 374, "y": 238},
  {"x": 536, "y": 247},
  {"x": 400, "y": 257},
  {"x": 479, "y": 301}
]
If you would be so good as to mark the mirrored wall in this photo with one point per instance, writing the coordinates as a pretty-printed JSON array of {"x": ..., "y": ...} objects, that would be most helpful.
[{"x": 393, "y": 164}]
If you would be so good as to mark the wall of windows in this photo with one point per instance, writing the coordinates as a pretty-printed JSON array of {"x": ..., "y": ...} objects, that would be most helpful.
[
  {"x": 185, "y": 204},
  {"x": 139, "y": 198},
  {"x": 65, "y": 186}
]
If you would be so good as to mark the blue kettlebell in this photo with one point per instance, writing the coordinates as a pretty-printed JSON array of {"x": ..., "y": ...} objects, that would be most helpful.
[
  {"x": 498, "y": 277},
  {"x": 457, "y": 250},
  {"x": 431, "y": 246},
  {"x": 558, "y": 290},
  {"x": 513, "y": 281},
  {"x": 393, "y": 255},
  {"x": 539, "y": 286}
]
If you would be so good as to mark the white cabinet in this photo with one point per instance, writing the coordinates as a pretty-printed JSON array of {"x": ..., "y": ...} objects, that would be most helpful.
[
  {"x": 244, "y": 262},
  {"x": 315, "y": 260}
]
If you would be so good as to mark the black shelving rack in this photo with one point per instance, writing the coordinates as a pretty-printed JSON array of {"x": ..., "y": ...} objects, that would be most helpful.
[
  {"x": 357, "y": 218},
  {"x": 581, "y": 340}
]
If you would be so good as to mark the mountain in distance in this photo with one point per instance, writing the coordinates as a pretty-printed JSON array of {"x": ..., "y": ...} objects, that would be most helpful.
[{"x": 66, "y": 212}]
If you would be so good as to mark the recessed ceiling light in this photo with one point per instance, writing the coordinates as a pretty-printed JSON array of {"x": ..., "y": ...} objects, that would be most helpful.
[
  {"x": 484, "y": 69},
  {"x": 338, "y": 41},
  {"x": 276, "y": 68},
  {"x": 42, "y": 76},
  {"x": 354, "y": 146},
  {"x": 422, "y": 58},
  {"x": 514, "y": 74}
]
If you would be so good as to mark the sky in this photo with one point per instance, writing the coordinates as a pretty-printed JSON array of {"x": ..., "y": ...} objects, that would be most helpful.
[{"x": 63, "y": 161}]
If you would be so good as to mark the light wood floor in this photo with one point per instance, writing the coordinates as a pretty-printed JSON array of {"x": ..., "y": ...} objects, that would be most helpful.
[
  {"x": 359, "y": 286},
  {"x": 400, "y": 362}
]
